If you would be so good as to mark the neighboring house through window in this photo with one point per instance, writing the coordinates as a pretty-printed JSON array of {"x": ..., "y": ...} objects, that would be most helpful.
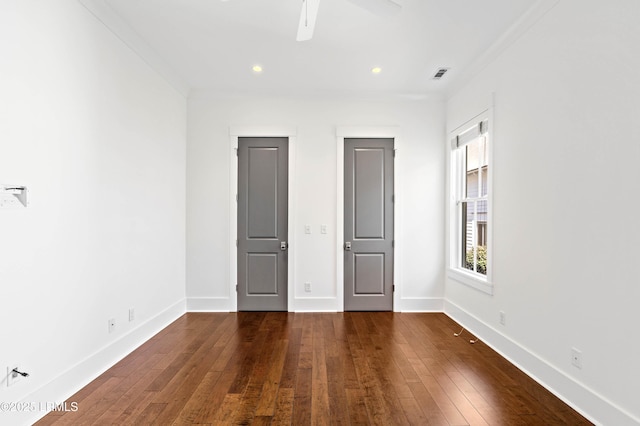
[{"x": 469, "y": 212}]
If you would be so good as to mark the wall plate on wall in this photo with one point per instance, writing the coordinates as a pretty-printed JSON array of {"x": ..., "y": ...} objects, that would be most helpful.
[
  {"x": 13, "y": 196},
  {"x": 12, "y": 378}
]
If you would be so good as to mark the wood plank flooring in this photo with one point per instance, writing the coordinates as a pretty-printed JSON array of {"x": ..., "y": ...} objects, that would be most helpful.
[{"x": 279, "y": 368}]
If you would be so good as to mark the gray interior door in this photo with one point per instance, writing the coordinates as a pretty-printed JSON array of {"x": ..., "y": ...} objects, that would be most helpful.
[
  {"x": 368, "y": 224},
  {"x": 262, "y": 224}
]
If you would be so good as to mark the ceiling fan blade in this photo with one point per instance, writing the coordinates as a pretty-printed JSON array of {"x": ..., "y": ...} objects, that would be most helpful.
[
  {"x": 379, "y": 7},
  {"x": 308, "y": 17}
]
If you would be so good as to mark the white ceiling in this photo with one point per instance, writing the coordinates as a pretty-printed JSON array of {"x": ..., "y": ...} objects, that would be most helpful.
[{"x": 211, "y": 45}]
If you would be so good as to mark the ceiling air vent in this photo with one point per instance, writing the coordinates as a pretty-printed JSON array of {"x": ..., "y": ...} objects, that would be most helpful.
[{"x": 441, "y": 71}]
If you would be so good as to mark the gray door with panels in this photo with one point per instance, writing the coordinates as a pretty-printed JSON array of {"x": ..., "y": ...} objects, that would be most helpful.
[
  {"x": 368, "y": 224},
  {"x": 262, "y": 223}
]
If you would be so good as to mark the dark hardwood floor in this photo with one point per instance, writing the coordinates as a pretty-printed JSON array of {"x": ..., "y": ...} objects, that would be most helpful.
[{"x": 314, "y": 368}]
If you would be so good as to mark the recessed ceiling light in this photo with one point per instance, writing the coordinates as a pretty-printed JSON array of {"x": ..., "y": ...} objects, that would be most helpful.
[
  {"x": 376, "y": 70},
  {"x": 257, "y": 69}
]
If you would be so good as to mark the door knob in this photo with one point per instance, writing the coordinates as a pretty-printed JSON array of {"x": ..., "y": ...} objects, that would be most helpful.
[
  {"x": 283, "y": 245},
  {"x": 347, "y": 246}
]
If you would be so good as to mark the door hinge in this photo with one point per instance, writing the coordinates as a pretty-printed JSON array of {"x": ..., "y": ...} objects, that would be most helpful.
[
  {"x": 236, "y": 150},
  {"x": 393, "y": 288},
  {"x": 394, "y": 153},
  {"x": 393, "y": 199},
  {"x": 236, "y": 288},
  {"x": 393, "y": 243},
  {"x": 236, "y": 198},
  {"x": 236, "y": 243}
]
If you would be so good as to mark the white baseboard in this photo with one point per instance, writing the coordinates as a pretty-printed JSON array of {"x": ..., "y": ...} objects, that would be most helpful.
[
  {"x": 316, "y": 304},
  {"x": 208, "y": 304},
  {"x": 591, "y": 405},
  {"x": 420, "y": 304},
  {"x": 301, "y": 304},
  {"x": 75, "y": 378}
]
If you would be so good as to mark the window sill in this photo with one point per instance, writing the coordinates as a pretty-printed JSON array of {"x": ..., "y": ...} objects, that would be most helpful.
[{"x": 471, "y": 280}]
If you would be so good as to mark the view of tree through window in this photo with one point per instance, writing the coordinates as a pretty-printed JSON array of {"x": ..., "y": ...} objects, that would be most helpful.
[{"x": 474, "y": 206}]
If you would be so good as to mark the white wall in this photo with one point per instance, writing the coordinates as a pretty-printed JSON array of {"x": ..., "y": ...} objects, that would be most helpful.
[
  {"x": 566, "y": 149},
  {"x": 99, "y": 139},
  {"x": 419, "y": 171}
]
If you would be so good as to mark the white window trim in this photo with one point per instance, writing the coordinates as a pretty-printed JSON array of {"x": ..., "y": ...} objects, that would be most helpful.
[{"x": 455, "y": 273}]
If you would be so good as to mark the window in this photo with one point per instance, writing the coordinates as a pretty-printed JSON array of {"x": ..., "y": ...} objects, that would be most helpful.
[{"x": 469, "y": 212}]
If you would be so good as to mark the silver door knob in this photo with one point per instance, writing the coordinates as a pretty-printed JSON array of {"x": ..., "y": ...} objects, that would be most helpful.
[
  {"x": 347, "y": 246},
  {"x": 283, "y": 245}
]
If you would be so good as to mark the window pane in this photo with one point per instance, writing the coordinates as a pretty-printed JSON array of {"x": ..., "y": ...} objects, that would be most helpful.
[
  {"x": 473, "y": 154},
  {"x": 481, "y": 259},
  {"x": 481, "y": 213},
  {"x": 474, "y": 236},
  {"x": 463, "y": 235},
  {"x": 471, "y": 166},
  {"x": 483, "y": 177},
  {"x": 482, "y": 233},
  {"x": 472, "y": 198},
  {"x": 468, "y": 235},
  {"x": 481, "y": 245},
  {"x": 476, "y": 167}
]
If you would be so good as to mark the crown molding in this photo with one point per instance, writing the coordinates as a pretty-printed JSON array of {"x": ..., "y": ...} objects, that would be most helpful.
[
  {"x": 506, "y": 40},
  {"x": 121, "y": 29}
]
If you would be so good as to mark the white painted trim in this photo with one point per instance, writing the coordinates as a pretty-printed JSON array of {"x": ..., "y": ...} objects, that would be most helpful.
[
  {"x": 470, "y": 280},
  {"x": 339, "y": 221},
  {"x": 316, "y": 304},
  {"x": 343, "y": 132},
  {"x": 79, "y": 375},
  {"x": 233, "y": 224},
  {"x": 222, "y": 95},
  {"x": 114, "y": 23},
  {"x": 208, "y": 304},
  {"x": 261, "y": 131},
  {"x": 587, "y": 402},
  {"x": 367, "y": 132},
  {"x": 454, "y": 273},
  {"x": 421, "y": 304}
]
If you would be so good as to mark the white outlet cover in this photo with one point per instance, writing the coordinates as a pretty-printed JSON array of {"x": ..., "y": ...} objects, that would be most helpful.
[{"x": 576, "y": 358}]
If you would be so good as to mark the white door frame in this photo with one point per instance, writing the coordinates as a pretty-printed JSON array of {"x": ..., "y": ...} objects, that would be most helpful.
[
  {"x": 346, "y": 132},
  {"x": 236, "y": 132}
]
